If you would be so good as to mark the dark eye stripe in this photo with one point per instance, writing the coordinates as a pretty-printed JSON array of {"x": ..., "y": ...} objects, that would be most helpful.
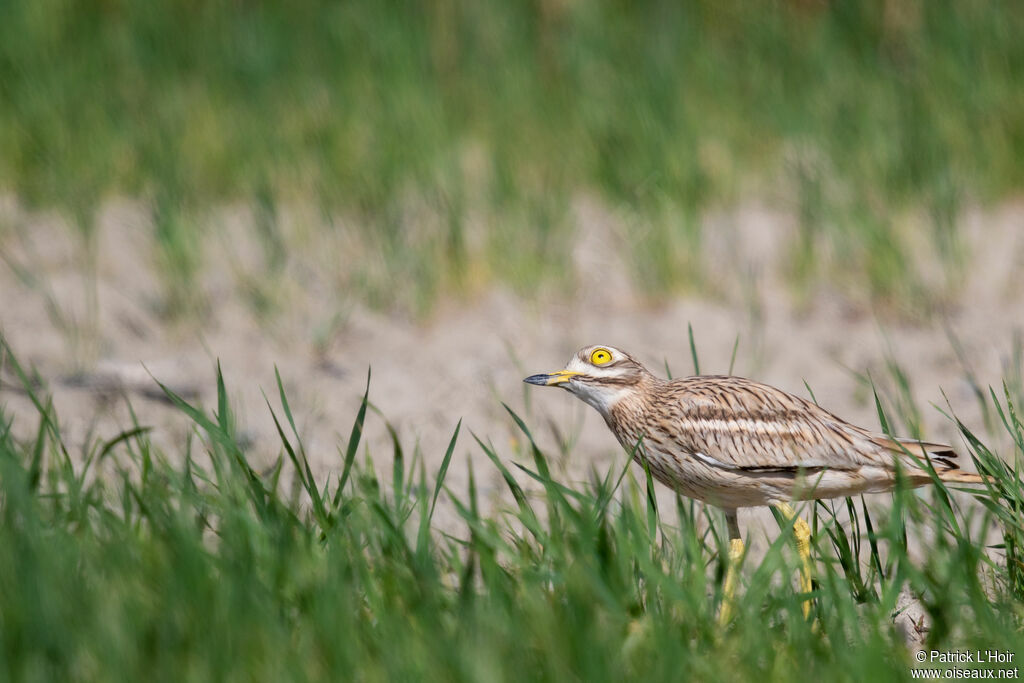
[{"x": 605, "y": 380}]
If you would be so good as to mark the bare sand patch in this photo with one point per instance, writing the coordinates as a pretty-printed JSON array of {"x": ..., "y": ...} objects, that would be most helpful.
[{"x": 96, "y": 338}]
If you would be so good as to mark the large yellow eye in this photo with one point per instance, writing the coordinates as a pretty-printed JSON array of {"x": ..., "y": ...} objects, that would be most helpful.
[{"x": 600, "y": 356}]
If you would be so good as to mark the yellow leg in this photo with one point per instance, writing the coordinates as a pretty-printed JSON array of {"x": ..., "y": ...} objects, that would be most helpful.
[
  {"x": 732, "y": 570},
  {"x": 802, "y": 535},
  {"x": 731, "y": 578}
]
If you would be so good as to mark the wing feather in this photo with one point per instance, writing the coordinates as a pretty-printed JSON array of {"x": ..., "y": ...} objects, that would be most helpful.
[{"x": 739, "y": 424}]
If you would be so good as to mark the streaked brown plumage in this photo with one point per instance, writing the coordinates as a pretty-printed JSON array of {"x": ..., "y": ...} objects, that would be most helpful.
[{"x": 735, "y": 443}]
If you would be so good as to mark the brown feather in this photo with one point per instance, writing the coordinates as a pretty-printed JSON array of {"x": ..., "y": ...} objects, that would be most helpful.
[{"x": 736, "y": 442}]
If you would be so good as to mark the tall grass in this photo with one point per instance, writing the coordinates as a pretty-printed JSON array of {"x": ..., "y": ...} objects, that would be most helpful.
[
  {"x": 123, "y": 562},
  {"x": 425, "y": 122}
]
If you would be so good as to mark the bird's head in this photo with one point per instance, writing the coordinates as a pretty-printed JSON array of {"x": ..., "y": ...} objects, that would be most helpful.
[{"x": 599, "y": 375}]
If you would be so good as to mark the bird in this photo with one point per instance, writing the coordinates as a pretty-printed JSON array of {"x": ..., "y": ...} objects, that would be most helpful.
[{"x": 735, "y": 443}]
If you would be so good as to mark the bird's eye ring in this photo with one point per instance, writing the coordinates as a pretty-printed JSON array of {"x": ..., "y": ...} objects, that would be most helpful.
[{"x": 600, "y": 356}]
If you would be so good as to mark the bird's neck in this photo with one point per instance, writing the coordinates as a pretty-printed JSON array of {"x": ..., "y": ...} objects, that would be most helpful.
[{"x": 627, "y": 417}]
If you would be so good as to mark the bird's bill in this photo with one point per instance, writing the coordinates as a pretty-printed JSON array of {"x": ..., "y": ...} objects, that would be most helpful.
[{"x": 552, "y": 378}]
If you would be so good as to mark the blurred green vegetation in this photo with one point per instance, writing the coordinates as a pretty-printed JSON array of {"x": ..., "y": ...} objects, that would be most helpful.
[
  {"x": 493, "y": 115},
  {"x": 130, "y": 563}
]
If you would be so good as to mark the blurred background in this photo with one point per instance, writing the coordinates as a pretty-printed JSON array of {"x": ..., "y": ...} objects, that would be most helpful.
[{"x": 462, "y": 193}]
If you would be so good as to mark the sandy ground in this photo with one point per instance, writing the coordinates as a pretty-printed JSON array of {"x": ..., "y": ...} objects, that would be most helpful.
[{"x": 470, "y": 355}]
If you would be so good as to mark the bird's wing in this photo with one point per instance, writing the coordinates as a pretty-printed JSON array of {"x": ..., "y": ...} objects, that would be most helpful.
[{"x": 737, "y": 424}]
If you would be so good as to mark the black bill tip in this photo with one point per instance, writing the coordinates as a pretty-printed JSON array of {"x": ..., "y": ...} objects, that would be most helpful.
[{"x": 539, "y": 380}]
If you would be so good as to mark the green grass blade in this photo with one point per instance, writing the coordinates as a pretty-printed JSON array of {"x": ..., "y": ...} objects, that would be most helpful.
[
  {"x": 693, "y": 349},
  {"x": 353, "y": 443},
  {"x": 444, "y": 469}
]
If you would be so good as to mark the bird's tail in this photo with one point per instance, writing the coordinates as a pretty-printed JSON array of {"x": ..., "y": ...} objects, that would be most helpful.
[
  {"x": 942, "y": 457},
  {"x": 961, "y": 477}
]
